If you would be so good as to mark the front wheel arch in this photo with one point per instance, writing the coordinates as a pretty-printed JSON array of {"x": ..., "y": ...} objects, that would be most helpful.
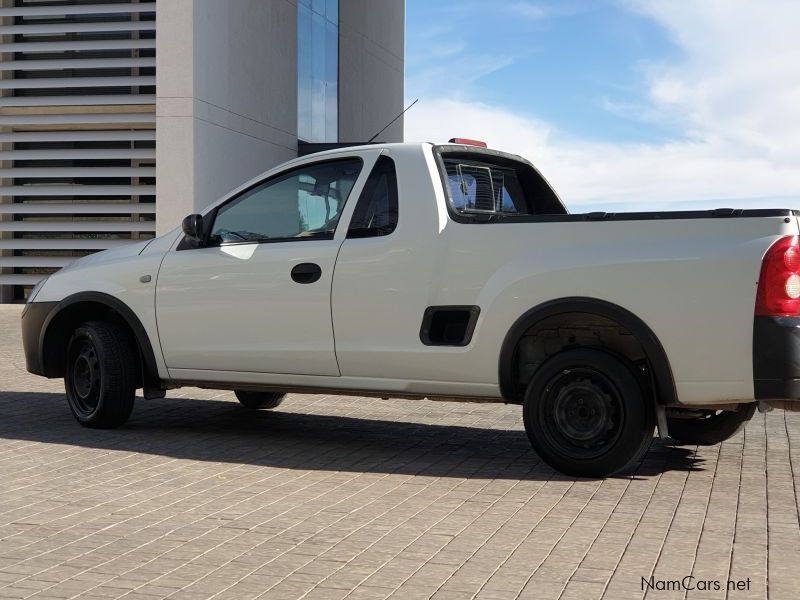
[
  {"x": 663, "y": 382},
  {"x": 73, "y": 310}
]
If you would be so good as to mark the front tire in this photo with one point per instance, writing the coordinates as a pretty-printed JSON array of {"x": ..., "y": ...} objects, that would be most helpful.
[
  {"x": 586, "y": 414},
  {"x": 259, "y": 400},
  {"x": 709, "y": 427},
  {"x": 101, "y": 374}
]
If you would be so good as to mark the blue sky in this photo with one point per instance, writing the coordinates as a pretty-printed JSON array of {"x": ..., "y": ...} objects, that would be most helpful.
[
  {"x": 622, "y": 104},
  {"x": 562, "y": 61}
]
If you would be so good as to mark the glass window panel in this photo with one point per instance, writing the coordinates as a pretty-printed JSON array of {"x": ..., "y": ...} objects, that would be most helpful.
[
  {"x": 332, "y": 11},
  {"x": 331, "y": 82},
  {"x": 376, "y": 211},
  {"x": 318, "y": 70},
  {"x": 304, "y": 78},
  {"x": 305, "y": 203},
  {"x": 318, "y": 77},
  {"x": 477, "y": 186}
]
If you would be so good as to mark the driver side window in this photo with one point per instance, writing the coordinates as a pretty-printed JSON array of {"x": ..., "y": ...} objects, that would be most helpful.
[{"x": 304, "y": 203}]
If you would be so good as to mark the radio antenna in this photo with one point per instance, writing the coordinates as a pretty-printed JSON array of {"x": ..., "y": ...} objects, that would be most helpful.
[{"x": 393, "y": 120}]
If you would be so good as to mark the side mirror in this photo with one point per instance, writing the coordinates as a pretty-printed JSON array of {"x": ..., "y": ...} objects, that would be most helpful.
[{"x": 193, "y": 227}]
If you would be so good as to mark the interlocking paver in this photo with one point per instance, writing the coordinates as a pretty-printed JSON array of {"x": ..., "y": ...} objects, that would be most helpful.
[{"x": 336, "y": 497}]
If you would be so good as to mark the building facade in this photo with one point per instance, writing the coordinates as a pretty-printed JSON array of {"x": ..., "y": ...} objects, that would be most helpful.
[{"x": 119, "y": 118}]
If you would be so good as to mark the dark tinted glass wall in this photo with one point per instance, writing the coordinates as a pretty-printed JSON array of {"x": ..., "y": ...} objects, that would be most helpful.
[{"x": 318, "y": 70}]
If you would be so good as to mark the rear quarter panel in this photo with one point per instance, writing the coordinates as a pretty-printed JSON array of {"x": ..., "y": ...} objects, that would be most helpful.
[{"x": 693, "y": 281}]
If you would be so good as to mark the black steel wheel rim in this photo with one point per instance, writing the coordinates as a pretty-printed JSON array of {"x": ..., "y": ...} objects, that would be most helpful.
[
  {"x": 84, "y": 376},
  {"x": 582, "y": 413}
]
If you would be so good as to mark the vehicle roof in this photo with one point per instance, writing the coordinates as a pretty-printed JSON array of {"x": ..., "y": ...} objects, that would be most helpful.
[
  {"x": 345, "y": 150},
  {"x": 444, "y": 147},
  {"x": 365, "y": 147}
]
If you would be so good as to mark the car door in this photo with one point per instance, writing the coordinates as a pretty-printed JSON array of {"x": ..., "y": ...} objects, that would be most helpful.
[{"x": 255, "y": 297}]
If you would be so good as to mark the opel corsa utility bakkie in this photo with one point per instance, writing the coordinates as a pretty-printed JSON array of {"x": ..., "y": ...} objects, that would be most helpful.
[{"x": 443, "y": 272}]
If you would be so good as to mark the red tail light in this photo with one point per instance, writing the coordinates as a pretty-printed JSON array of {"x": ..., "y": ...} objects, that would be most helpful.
[{"x": 779, "y": 285}]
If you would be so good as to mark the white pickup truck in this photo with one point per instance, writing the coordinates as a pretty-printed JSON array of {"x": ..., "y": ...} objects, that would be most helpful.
[{"x": 443, "y": 272}]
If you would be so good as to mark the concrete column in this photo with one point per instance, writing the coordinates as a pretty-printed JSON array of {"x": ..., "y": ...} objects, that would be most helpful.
[
  {"x": 371, "y": 63},
  {"x": 226, "y": 98}
]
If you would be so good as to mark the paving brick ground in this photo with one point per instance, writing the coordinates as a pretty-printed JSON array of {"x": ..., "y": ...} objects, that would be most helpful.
[{"x": 334, "y": 497}]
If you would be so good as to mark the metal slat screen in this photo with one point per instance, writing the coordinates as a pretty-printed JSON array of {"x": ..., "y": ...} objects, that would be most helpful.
[{"x": 77, "y": 132}]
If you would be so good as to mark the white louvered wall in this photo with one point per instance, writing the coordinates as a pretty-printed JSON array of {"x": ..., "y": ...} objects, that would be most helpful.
[{"x": 77, "y": 132}]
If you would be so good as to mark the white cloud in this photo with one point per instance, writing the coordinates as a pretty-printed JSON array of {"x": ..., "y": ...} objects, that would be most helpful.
[
  {"x": 537, "y": 10},
  {"x": 601, "y": 173},
  {"x": 529, "y": 10},
  {"x": 446, "y": 48},
  {"x": 740, "y": 80},
  {"x": 735, "y": 92},
  {"x": 457, "y": 75}
]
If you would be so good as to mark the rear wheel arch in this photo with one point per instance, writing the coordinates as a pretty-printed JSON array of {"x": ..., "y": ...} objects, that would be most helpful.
[
  {"x": 512, "y": 388},
  {"x": 73, "y": 310}
]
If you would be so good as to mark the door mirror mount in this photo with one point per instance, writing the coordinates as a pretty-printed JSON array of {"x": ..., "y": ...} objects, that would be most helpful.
[{"x": 193, "y": 228}]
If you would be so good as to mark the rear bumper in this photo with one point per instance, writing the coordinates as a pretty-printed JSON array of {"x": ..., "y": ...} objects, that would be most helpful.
[
  {"x": 33, "y": 318},
  {"x": 776, "y": 358}
]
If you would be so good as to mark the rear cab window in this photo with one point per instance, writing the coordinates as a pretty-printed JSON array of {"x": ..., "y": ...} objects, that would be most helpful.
[{"x": 485, "y": 185}]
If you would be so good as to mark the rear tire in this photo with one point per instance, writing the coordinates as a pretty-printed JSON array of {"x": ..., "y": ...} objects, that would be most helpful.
[
  {"x": 710, "y": 426},
  {"x": 101, "y": 374},
  {"x": 586, "y": 414},
  {"x": 259, "y": 400}
]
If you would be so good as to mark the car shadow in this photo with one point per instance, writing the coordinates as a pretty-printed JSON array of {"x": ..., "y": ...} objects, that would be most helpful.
[{"x": 222, "y": 431}]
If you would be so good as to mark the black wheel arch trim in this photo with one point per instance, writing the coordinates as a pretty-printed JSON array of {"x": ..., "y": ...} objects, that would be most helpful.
[
  {"x": 662, "y": 373},
  {"x": 150, "y": 377}
]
